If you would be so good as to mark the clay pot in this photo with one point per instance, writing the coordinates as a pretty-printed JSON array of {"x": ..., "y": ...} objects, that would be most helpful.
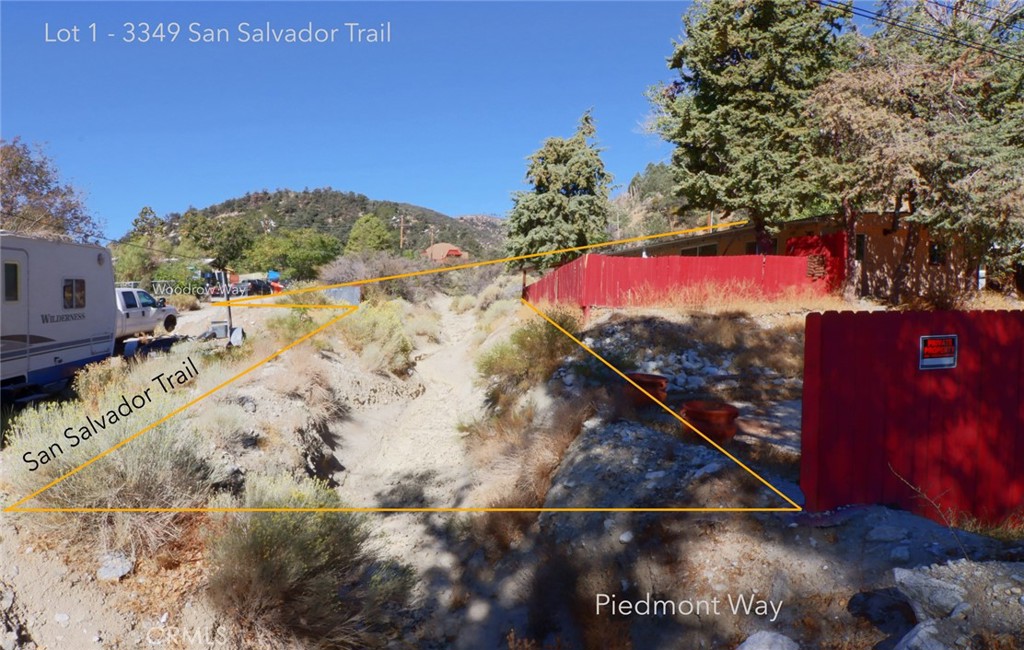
[
  {"x": 716, "y": 420},
  {"x": 656, "y": 385}
]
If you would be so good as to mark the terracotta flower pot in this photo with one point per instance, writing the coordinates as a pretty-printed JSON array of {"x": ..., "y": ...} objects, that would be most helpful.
[
  {"x": 716, "y": 420},
  {"x": 656, "y": 385}
]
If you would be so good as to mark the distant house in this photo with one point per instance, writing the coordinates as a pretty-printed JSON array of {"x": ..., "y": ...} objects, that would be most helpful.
[
  {"x": 878, "y": 249},
  {"x": 443, "y": 252}
]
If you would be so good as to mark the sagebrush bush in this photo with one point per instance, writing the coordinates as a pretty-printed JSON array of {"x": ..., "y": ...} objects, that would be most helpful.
[
  {"x": 160, "y": 468},
  {"x": 423, "y": 322},
  {"x": 287, "y": 577},
  {"x": 529, "y": 356},
  {"x": 378, "y": 334},
  {"x": 462, "y": 304}
]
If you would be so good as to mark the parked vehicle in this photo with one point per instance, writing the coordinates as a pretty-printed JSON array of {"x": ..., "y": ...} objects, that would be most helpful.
[
  {"x": 58, "y": 311},
  {"x": 140, "y": 313},
  {"x": 252, "y": 288}
]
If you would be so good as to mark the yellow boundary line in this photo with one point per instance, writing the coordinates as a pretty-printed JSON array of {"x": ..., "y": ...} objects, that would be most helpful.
[
  {"x": 244, "y": 302},
  {"x": 502, "y": 260}
]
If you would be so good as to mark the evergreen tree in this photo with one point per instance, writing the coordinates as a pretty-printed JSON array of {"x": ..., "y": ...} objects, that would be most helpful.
[
  {"x": 735, "y": 114},
  {"x": 568, "y": 205},
  {"x": 369, "y": 233}
]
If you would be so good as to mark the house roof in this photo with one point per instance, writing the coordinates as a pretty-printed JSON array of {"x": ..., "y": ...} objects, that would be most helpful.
[{"x": 441, "y": 250}]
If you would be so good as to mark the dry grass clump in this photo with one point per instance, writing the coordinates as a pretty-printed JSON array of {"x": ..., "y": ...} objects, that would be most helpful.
[
  {"x": 183, "y": 302},
  {"x": 497, "y": 312},
  {"x": 994, "y": 300},
  {"x": 529, "y": 356},
  {"x": 378, "y": 334},
  {"x": 291, "y": 579},
  {"x": 422, "y": 322},
  {"x": 462, "y": 304},
  {"x": 519, "y": 452},
  {"x": 723, "y": 297}
]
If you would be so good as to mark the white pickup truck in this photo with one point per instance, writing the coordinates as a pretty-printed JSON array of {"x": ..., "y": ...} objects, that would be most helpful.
[{"x": 140, "y": 313}]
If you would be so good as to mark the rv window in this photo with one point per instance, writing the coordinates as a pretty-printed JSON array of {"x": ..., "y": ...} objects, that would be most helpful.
[
  {"x": 129, "y": 299},
  {"x": 74, "y": 293},
  {"x": 10, "y": 281},
  {"x": 146, "y": 300}
]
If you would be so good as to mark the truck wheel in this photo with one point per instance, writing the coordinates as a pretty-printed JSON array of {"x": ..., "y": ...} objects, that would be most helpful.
[{"x": 170, "y": 323}]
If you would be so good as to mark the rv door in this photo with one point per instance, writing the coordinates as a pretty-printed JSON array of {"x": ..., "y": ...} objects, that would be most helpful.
[{"x": 15, "y": 339}]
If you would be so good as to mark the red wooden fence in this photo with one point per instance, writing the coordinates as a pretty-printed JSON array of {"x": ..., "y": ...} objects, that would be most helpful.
[
  {"x": 871, "y": 416},
  {"x": 603, "y": 281}
]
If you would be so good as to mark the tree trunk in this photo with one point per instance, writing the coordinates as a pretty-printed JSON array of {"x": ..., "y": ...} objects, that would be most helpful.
[
  {"x": 852, "y": 285},
  {"x": 899, "y": 276}
]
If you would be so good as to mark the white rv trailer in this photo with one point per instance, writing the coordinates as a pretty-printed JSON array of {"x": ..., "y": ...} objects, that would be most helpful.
[{"x": 58, "y": 311}]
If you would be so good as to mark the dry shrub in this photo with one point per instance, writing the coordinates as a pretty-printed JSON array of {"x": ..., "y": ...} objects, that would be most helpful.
[
  {"x": 183, "y": 302},
  {"x": 371, "y": 265},
  {"x": 519, "y": 452},
  {"x": 92, "y": 381},
  {"x": 462, "y": 304},
  {"x": 161, "y": 468},
  {"x": 422, "y": 322},
  {"x": 378, "y": 334},
  {"x": 298, "y": 578},
  {"x": 493, "y": 316},
  {"x": 529, "y": 356}
]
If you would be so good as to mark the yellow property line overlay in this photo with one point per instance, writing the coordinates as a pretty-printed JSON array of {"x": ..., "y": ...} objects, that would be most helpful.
[
  {"x": 244, "y": 302},
  {"x": 502, "y": 260},
  {"x": 795, "y": 506},
  {"x": 348, "y": 309}
]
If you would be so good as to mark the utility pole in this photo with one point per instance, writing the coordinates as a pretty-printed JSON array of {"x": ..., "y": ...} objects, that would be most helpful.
[
  {"x": 401, "y": 232},
  {"x": 227, "y": 297}
]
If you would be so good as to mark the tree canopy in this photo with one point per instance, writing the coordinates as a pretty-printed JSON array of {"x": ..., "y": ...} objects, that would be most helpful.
[
  {"x": 934, "y": 124},
  {"x": 369, "y": 233},
  {"x": 297, "y": 254},
  {"x": 568, "y": 204},
  {"x": 735, "y": 113},
  {"x": 34, "y": 199},
  {"x": 225, "y": 239}
]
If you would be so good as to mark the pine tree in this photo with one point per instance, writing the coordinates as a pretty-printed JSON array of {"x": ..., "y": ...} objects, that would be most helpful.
[
  {"x": 568, "y": 205},
  {"x": 735, "y": 113},
  {"x": 369, "y": 233}
]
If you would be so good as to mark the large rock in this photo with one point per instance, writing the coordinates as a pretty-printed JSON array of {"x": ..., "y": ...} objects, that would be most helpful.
[
  {"x": 930, "y": 598},
  {"x": 925, "y": 636},
  {"x": 114, "y": 566},
  {"x": 769, "y": 641}
]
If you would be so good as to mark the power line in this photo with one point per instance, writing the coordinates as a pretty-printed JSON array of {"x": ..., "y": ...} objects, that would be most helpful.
[
  {"x": 981, "y": 4},
  {"x": 92, "y": 235},
  {"x": 895, "y": 22},
  {"x": 956, "y": 10}
]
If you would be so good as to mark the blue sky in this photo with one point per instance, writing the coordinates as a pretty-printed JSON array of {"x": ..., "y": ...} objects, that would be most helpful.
[{"x": 443, "y": 116}]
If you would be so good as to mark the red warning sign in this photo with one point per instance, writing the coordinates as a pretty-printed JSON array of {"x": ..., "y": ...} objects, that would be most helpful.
[{"x": 938, "y": 352}]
